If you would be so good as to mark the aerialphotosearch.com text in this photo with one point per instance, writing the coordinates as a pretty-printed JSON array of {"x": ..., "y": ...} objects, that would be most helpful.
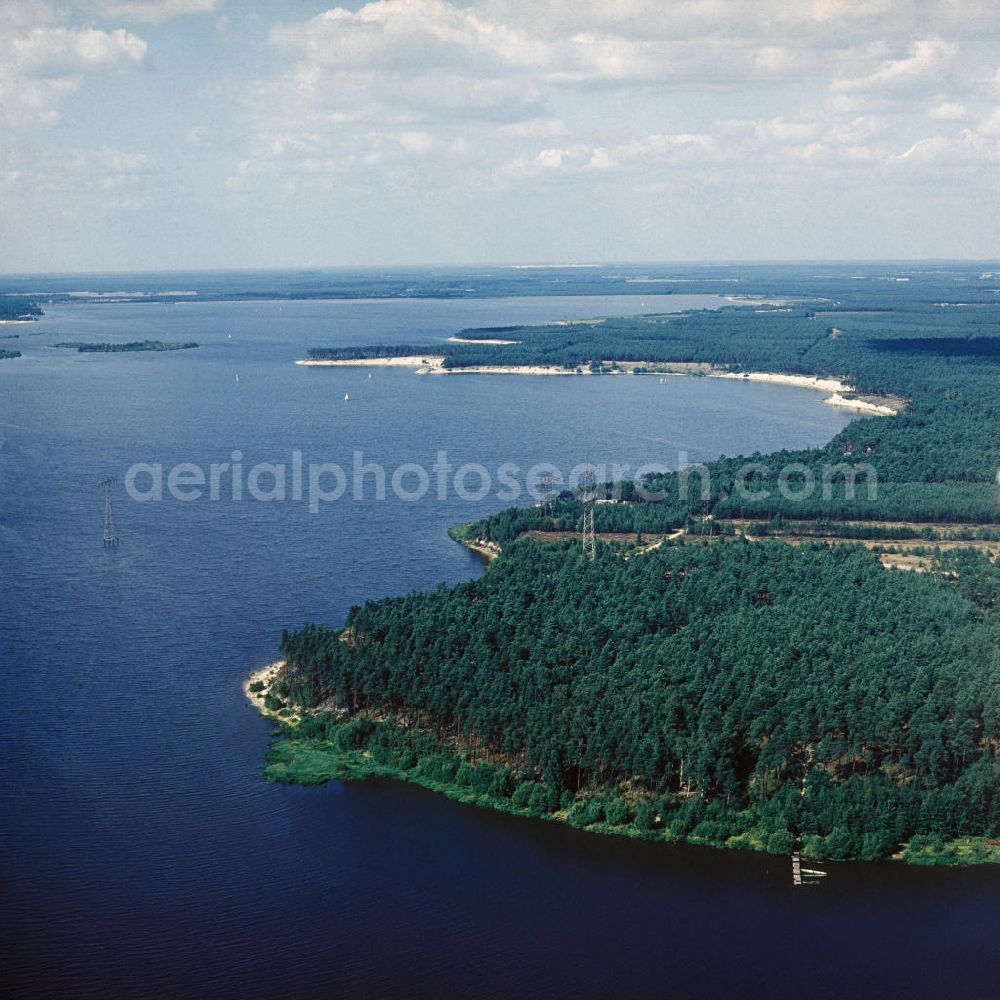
[{"x": 318, "y": 483}]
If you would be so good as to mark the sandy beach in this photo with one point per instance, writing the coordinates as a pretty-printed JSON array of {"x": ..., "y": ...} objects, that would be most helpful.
[
  {"x": 413, "y": 361},
  {"x": 839, "y": 393},
  {"x": 487, "y": 549},
  {"x": 861, "y": 405},
  {"x": 267, "y": 674},
  {"x": 473, "y": 340},
  {"x": 501, "y": 370}
]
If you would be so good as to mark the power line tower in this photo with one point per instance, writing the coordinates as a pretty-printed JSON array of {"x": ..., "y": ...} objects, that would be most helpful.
[
  {"x": 110, "y": 531},
  {"x": 546, "y": 489},
  {"x": 588, "y": 497}
]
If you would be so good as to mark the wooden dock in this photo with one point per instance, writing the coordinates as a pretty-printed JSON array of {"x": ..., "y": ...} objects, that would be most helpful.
[{"x": 798, "y": 872}]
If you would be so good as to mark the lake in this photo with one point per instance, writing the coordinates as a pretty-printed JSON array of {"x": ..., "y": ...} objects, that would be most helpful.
[{"x": 142, "y": 854}]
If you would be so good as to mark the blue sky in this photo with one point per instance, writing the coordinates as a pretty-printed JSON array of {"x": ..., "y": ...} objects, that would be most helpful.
[{"x": 157, "y": 134}]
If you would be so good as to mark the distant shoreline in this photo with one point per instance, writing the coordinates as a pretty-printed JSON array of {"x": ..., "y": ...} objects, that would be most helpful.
[{"x": 840, "y": 393}]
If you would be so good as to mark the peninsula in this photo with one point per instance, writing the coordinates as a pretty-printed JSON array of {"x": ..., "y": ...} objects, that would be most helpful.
[{"x": 757, "y": 668}]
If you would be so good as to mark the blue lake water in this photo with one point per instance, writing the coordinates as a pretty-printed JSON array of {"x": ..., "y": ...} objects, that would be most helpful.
[{"x": 141, "y": 853}]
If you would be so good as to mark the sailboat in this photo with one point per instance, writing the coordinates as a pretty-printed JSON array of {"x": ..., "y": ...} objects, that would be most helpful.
[
  {"x": 346, "y": 397},
  {"x": 237, "y": 378},
  {"x": 369, "y": 374}
]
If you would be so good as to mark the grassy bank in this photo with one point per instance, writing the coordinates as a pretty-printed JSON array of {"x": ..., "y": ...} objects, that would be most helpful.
[{"x": 325, "y": 746}]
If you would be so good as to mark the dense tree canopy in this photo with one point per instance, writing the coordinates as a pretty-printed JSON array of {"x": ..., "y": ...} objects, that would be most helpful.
[{"x": 726, "y": 686}]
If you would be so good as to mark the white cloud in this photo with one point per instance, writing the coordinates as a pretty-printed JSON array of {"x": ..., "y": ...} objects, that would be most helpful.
[
  {"x": 927, "y": 60},
  {"x": 970, "y": 148},
  {"x": 108, "y": 176},
  {"x": 107, "y": 164},
  {"x": 949, "y": 111},
  {"x": 434, "y": 55},
  {"x": 41, "y": 67},
  {"x": 395, "y": 93},
  {"x": 400, "y": 35},
  {"x": 147, "y": 10},
  {"x": 36, "y": 13},
  {"x": 775, "y": 58},
  {"x": 45, "y": 56},
  {"x": 780, "y": 130},
  {"x": 534, "y": 128},
  {"x": 658, "y": 151},
  {"x": 991, "y": 127},
  {"x": 60, "y": 51},
  {"x": 26, "y": 13},
  {"x": 502, "y": 60},
  {"x": 416, "y": 142}
]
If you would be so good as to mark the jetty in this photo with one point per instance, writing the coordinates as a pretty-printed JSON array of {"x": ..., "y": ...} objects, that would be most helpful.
[{"x": 804, "y": 876}]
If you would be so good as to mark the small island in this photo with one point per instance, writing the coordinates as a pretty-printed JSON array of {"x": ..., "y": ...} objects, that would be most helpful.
[
  {"x": 134, "y": 345},
  {"x": 5, "y": 355}
]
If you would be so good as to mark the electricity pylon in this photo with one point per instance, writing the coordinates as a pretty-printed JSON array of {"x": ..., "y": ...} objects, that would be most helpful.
[
  {"x": 110, "y": 532},
  {"x": 588, "y": 497}
]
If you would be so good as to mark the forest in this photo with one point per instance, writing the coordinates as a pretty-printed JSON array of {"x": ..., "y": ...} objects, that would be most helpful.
[
  {"x": 719, "y": 690},
  {"x": 750, "y": 690}
]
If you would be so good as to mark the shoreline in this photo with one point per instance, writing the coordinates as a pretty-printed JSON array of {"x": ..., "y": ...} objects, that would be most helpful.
[
  {"x": 312, "y": 760},
  {"x": 266, "y": 675},
  {"x": 840, "y": 394},
  {"x": 488, "y": 550}
]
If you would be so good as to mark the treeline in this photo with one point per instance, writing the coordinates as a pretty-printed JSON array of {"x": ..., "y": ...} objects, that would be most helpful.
[{"x": 711, "y": 680}]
